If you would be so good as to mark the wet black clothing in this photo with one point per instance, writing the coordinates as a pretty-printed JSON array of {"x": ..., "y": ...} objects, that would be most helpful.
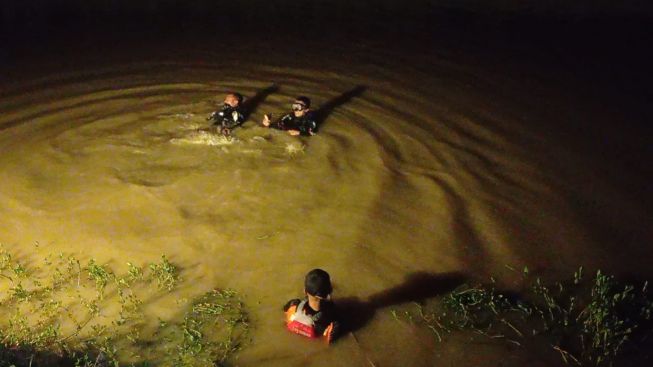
[
  {"x": 228, "y": 117},
  {"x": 323, "y": 318},
  {"x": 305, "y": 124}
]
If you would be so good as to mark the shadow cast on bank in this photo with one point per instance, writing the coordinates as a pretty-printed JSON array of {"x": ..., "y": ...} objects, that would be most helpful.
[{"x": 418, "y": 287}]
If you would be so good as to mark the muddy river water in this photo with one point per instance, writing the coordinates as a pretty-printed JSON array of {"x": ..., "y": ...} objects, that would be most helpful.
[{"x": 428, "y": 161}]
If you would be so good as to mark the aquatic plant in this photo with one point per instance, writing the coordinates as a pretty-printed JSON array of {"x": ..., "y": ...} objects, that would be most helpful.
[
  {"x": 164, "y": 273},
  {"x": 66, "y": 313},
  {"x": 200, "y": 339},
  {"x": 586, "y": 323}
]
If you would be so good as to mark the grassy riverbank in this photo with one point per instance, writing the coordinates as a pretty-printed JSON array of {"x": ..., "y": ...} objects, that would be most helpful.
[{"x": 68, "y": 311}]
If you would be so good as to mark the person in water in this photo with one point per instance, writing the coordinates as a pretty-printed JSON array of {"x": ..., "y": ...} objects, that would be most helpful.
[
  {"x": 299, "y": 122},
  {"x": 315, "y": 315},
  {"x": 230, "y": 116}
]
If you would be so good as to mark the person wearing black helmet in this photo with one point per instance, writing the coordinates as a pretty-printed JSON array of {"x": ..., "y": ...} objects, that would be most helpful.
[
  {"x": 230, "y": 116},
  {"x": 314, "y": 316},
  {"x": 299, "y": 122}
]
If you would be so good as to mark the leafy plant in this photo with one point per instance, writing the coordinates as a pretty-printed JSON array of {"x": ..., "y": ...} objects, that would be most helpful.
[
  {"x": 587, "y": 323},
  {"x": 212, "y": 330},
  {"x": 64, "y": 313},
  {"x": 164, "y": 273}
]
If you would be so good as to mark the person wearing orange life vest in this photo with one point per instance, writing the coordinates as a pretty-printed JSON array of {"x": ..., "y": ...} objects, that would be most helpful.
[{"x": 314, "y": 316}]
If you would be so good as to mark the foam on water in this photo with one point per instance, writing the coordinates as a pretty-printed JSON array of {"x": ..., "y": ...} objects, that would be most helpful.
[{"x": 204, "y": 138}]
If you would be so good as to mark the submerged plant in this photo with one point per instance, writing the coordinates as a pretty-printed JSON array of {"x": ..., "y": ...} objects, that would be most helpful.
[
  {"x": 99, "y": 275},
  {"x": 66, "y": 314},
  {"x": 586, "y": 323},
  {"x": 165, "y": 273},
  {"x": 612, "y": 317},
  {"x": 212, "y": 330}
]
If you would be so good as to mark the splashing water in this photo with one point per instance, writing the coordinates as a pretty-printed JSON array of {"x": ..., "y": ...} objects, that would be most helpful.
[
  {"x": 204, "y": 138},
  {"x": 294, "y": 149}
]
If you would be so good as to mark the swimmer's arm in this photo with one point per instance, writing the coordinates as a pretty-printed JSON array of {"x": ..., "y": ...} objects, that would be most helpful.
[
  {"x": 279, "y": 124},
  {"x": 333, "y": 332},
  {"x": 216, "y": 118},
  {"x": 307, "y": 128},
  {"x": 267, "y": 120},
  {"x": 302, "y": 128},
  {"x": 212, "y": 116},
  {"x": 236, "y": 119},
  {"x": 303, "y": 132},
  {"x": 327, "y": 324}
]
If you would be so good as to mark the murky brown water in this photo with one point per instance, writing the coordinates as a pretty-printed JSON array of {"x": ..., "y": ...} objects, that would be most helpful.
[{"x": 438, "y": 163}]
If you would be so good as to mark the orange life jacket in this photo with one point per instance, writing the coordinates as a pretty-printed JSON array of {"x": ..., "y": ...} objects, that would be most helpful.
[{"x": 299, "y": 322}]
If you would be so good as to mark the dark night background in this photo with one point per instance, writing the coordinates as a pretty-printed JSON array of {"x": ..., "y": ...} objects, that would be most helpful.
[
  {"x": 605, "y": 45},
  {"x": 606, "y": 39},
  {"x": 602, "y": 22}
]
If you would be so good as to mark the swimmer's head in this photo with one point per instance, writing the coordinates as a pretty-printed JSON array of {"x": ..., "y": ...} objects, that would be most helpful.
[
  {"x": 233, "y": 99},
  {"x": 301, "y": 105},
  {"x": 318, "y": 284}
]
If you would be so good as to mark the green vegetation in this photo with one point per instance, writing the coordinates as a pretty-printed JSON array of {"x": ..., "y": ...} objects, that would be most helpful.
[
  {"x": 165, "y": 274},
  {"x": 219, "y": 314},
  {"x": 587, "y": 323},
  {"x": 69, "y": 313}
]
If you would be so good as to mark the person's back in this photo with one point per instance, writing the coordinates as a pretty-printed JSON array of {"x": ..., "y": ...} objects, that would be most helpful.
[{"x": 314, "y": 316}]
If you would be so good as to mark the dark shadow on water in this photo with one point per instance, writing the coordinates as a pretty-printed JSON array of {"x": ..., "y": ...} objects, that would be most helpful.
[
  {"x": 325, "y": 109},
  {"x": 418, "y": 287},
  {"x": 250, "y": 104}
]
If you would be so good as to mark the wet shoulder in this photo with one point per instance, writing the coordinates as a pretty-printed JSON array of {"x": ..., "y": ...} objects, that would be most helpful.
[{"x": 292, "y": 302}]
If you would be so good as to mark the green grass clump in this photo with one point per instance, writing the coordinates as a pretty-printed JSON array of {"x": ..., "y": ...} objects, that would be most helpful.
[
  {"x": 586, "y": 323},
  {"x": 67, "y": 313},
  {"x": 164, "y": 273},
  {"x": 211, "y": 331}
]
